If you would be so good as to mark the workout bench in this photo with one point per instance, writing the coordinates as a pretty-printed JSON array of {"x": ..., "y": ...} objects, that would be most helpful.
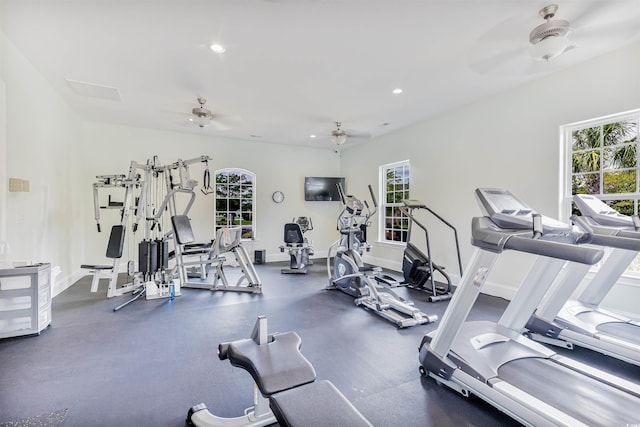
[
  {"x": 286, "y": 383},
  {"x": 114, "y": 251}
]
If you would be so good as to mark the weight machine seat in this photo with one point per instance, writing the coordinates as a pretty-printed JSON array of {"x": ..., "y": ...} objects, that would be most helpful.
[
  {"x": 182, "y": 229},
  {"x": 275, "y": 366},
  {"x": 96, "y": 267},
  {"x": 317, "y": 404},
  {"x": 287, "y": 378},
  {"x": 116, "y": 242},
  {"x": 293, "y": 234}
]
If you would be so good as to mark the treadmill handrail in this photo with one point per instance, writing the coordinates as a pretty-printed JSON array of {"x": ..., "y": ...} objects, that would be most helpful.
[
  {"x": 600, "y": 235},
  {"x": 566, "y": 251},
  {"x": 486, "y": 236}
]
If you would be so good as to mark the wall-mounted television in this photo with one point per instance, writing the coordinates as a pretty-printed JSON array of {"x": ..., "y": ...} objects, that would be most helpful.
[{"x": 322, "y": 189}]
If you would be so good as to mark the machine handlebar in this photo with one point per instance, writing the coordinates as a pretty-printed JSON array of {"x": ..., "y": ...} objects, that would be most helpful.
[
  {"x": 566, "y": 251},
  {"x": 621, "y": 239},
  {"x": 373, "y": 197}
]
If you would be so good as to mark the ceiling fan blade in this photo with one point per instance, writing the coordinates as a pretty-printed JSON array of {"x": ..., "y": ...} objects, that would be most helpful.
[
  {"x": 589, "y": 14},
  {"x": 218, "y": 125},
  {"x": 357, "y": 134},
  {"x": 495, "y": 62}
]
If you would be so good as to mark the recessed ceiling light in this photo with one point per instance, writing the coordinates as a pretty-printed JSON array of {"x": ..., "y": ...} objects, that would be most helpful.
[
  {"x": 217, "y": 48},
  {"x": 312, "y": 136},
  {"x": 396, "y": 91}
]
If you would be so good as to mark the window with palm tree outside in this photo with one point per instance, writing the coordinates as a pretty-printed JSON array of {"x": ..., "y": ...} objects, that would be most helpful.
[
  {"x": 604, "y": 162},
  {"x": 394, "y": 179},
  {"x": 234, "y": 200}
]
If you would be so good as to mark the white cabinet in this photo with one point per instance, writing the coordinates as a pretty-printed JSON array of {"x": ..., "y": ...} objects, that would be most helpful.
[{"x": 25, "y": 300}]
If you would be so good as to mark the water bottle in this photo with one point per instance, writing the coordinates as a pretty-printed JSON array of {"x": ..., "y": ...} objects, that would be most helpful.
[{"x": 172, "y": 290}]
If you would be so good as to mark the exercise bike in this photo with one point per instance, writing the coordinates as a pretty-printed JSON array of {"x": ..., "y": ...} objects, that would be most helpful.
[
  {"x": 367, "y": 284},
  {"x": 299, "y": 247}
]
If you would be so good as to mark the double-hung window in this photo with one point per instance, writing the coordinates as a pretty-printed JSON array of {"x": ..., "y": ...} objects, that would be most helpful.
[
  {"x": 602, "y": 160},
  {"x": 394, "y": 185}
]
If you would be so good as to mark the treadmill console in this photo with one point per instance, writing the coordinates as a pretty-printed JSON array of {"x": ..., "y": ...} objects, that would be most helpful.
[
  {"x": 508, "y": 212},
  {"x": 602, "y": 213}
]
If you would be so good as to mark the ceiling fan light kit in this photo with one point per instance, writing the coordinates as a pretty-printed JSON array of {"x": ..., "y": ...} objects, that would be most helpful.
[
  {"x": 339, "y": 139},
  {"x": 549, "y": 48},
  {"x": 549, "y": 40},
  {"x": 200, "y": 115},
  {"x": 338, "y": 136}
]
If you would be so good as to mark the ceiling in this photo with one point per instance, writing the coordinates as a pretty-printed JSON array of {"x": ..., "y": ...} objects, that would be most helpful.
[{"x": 292, "y": 68}]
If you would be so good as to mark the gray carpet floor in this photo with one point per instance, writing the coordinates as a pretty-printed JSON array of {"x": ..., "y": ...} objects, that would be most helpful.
[{"x": 148, "y": 363}]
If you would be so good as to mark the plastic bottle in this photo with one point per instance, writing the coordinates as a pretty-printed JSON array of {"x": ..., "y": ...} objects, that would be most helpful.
[{"x": 172, "y": 290}]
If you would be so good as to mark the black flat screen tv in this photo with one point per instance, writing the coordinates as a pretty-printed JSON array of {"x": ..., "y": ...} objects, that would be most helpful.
[{"x": 322, "y": 189}]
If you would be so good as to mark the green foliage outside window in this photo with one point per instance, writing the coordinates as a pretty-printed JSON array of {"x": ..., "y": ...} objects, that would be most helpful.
[
  {"x": 234, "y": 200},
  {"x": 396, "y": 189},
  {"x": 604, "y": 161}
]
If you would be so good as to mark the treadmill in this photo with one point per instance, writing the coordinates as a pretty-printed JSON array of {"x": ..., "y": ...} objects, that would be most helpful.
[
  {"x": 563, "y": 321},
  {"x": 494, "y": 360}
]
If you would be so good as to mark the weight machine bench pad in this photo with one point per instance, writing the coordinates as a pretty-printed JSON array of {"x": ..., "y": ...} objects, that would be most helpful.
[
  {"x": 316, "y": 404},
  {"x": 275, "y": 366},
  {"x": 96, "y": 267}
]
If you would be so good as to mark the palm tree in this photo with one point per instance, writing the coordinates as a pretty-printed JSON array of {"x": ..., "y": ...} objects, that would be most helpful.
[{"x": 589, "y": 147}]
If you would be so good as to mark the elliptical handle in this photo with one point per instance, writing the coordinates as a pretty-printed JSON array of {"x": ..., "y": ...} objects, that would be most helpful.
[
  {"x": 341, "y": 193},
  {"x": 373, "y": 197}
]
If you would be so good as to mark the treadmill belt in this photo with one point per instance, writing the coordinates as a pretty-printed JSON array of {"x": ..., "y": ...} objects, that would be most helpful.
[
  {"x": 624, "y": 331},
  {"x": 575, "y": 394}
]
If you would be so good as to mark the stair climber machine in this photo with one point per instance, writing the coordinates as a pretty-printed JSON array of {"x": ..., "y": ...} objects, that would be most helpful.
[
  {"x": 418, "y": 268},
  {"x": 565, "y": 321},
  {"x": 494, "y": 360},
  {"x": 367, "y": 284}
]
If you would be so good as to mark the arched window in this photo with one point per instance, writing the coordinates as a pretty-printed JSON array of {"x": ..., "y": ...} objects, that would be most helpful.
[{"x": 235, "y": 200}]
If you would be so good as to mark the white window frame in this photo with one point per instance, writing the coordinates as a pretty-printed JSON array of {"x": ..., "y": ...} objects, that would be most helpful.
[
  {"x": 383, "y": 204},
  {"x": 238, "y": 171},
  {"x": 566, "y": 172}
]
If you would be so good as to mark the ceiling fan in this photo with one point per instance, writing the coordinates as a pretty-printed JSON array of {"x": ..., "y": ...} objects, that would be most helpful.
[
  {"x": 201, "y": 116},
  {"x": 339, "y": 135},
  {"x": 593, "y": 27},
  {"x": 551, "y": 39}
]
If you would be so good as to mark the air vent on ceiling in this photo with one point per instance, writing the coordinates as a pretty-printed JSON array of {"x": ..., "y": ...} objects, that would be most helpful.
[{"x": 94, "y": 90}]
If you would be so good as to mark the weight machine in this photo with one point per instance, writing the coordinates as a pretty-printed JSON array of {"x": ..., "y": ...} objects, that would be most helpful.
[{"x": 151, "y": 193}]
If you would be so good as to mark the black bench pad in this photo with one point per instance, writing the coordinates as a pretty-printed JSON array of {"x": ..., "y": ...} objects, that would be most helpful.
[
  {"x": 275, "y": 366},
  {"x": 318, "y": 404},
  {"x": 96, "y": 267}
]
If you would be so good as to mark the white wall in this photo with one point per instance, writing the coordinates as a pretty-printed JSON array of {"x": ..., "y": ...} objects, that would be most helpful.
[
  {"x": 510, "y": 140},
  {"x": 42, "y": 133},
  {"x": 3, "y": 171}
]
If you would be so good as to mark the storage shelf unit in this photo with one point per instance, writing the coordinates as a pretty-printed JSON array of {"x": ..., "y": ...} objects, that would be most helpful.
[{"x": 25, "y": 300}]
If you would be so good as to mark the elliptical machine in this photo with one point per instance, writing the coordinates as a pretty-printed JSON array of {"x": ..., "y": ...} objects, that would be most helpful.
[
  {"x": 350, "y": 275},
  {"x": 418, "y": 268}
]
